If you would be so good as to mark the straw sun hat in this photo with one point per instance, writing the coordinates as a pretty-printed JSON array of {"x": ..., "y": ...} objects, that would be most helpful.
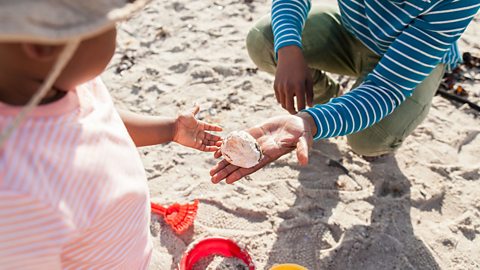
[
  {"x": 54, "y": 21},
  {"x": 57, "y": 22}
]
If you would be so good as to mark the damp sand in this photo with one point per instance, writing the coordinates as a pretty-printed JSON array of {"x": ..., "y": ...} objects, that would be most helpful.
[{"x": 215, "y": 262}]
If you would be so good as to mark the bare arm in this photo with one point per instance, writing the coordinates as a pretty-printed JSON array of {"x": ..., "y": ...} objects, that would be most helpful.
[
  {"x": 148, "y": 130},
  {"x": 184, "y": 129}
]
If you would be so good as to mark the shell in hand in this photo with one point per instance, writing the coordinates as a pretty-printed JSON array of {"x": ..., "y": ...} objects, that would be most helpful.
[{"x": 241, "y": 149}]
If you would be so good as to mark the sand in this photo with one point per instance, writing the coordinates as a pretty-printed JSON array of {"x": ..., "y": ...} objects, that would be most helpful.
[
  {"x": 215, "y": 262},
  {"x": 417, "y": 209}
]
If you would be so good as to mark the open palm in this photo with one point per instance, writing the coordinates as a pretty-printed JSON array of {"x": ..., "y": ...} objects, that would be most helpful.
[
  {"x": 276, "y": 137},
  {"x": 191, "y": 132}
]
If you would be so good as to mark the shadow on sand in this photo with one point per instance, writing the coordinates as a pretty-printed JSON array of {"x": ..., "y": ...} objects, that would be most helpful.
[{"x": 329, "y": 228}]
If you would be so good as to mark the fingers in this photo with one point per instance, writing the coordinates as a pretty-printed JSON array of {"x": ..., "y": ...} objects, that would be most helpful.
[
  {"x": 210, "y": 127},
  {"x": 224, "y": 173},
  {"x": 217, "y": 154},
  {"x": 195, "y": 109},
  {"x": 240, "y": 173},
  {"x": 232, "y": 173},
  {"x": 282, "y": 99},
  {"x": 257, "y": 131},
  {"x": 219, "y": 166},
  {"x": 284, "y": 93},
  {"x": 309, "y": 91},
  {"x": 206, "y": 145},
  {"x": 208, "y": 148},
  {"x": 218, "y": 171},
  {"x": 211, "y": 137},
  {"x": 289, "y": 104},
  {"x": 277, "y": 93},
  {"x": 229, "y": 172},
  {"x": 208, "y": 142},
  {"x": 302, "y": 151},
  {"x": 287, "y": 94},
  {"x": 300, "y": 94}
]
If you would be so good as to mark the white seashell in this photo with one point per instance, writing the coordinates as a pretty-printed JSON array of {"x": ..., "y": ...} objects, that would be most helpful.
[{"x": 241, "y": 149}]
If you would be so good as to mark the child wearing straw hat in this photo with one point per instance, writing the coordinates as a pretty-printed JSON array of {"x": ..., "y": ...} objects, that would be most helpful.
[{"x": 73, "y": 192}]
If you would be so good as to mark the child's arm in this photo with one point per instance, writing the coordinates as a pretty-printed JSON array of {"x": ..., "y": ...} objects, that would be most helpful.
[
  {"x": 185, "y": 129},
  {"x": 148, "y": 130}
]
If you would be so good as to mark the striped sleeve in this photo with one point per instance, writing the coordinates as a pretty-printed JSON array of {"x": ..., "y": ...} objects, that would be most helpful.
[
  {"x": 288, "y": 20},
  {"x": 31, "y": 234},
  {"x": 407, "y": 62}
]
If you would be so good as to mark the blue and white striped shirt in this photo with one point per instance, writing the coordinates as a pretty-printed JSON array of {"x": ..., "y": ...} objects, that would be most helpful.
[{"x": 412, "y": 37}]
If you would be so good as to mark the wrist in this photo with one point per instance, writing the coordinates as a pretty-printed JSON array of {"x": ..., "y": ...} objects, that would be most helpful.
[
  {"x": 291, "y": 51},
  {"x": 173, "y": 128},
  {"x": 148, "y": 130},
  {"x": 160, "y": 130},
  {"x": 309, "y": 121}
]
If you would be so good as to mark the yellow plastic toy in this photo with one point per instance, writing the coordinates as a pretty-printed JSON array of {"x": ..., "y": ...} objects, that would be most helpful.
[{"x": 288, "y": 266}]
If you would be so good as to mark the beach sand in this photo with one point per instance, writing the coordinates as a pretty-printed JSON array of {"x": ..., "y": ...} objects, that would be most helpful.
[{"x": 417, "y": 209}]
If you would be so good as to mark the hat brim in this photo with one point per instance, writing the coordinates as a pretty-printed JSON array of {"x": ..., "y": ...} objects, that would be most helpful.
[{"x": 58, "y": 21}]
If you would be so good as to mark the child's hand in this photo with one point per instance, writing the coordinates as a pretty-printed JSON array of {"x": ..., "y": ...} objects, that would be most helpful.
[{"x": 190, "y": 132}]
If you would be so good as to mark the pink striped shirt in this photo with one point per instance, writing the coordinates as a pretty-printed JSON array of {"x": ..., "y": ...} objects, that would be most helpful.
[{"x": 73, "y": 191}]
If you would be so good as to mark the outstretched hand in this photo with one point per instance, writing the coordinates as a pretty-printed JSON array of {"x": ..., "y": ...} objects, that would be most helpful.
[
  {"x": 276, "y": 137},
  {"x": 191, "y": 132}
]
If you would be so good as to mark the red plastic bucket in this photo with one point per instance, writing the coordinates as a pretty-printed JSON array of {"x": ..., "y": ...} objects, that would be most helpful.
[{"x": 214, "y": 246}]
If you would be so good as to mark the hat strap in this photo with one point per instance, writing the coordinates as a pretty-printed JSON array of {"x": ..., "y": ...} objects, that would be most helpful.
[{"x": 63, "y": 59}]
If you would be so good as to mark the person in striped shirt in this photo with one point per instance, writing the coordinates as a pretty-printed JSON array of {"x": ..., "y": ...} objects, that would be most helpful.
[
  {"x": 397, "y": 49},
  {"x": 73, "y": 191}
]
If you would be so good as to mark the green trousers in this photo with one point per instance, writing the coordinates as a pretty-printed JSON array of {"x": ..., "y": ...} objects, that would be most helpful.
[{"x": 329, "y": 47}]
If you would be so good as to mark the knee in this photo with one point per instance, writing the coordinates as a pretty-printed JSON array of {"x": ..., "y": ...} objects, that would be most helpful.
[
  {"x": 259, "y": 44},
  {"x": 371, "y": 144},
  {"x": 254, "y": 37}
]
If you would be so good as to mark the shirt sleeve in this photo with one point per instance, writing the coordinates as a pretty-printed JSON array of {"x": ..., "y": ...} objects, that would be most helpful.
[
  {"x": 31, "y": 234},
  {"x": 407, "y": 62},
  {"x": 288, "y": 20}
]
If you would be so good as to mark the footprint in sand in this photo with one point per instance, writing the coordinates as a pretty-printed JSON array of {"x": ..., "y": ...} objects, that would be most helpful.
[
  {"x": 228, "y": 71},
  {"x": 395, "y": 189},
  {"x": 202, "y": 73},
  {"x": 179, "y": 68},
  {"x": 469, "y": 148},
  {"x": 385, "y": 250},
  {"x": 303, "y": 242},
  {"x": 468, "y": 224},
  {"x": 215, "y": 217}
]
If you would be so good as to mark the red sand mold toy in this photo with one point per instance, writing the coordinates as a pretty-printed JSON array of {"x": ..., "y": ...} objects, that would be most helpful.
[
  {"x": 214, "y": 246},
  {"x": 179, "y": 216}
]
